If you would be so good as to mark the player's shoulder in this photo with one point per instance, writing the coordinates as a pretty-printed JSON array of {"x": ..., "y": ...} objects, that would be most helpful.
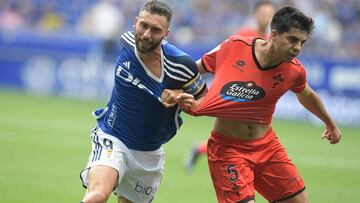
[
  {"x": 175, "y": 56},
  {"x": 243, "y": 39},
  {"x": 171, "y": 50},
  {"x": 177, "y": 63},
  {"x": 128, "y": 40},
  {"x": 294, "y": 66}
]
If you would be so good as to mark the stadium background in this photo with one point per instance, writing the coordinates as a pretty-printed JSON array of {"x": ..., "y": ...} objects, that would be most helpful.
[{"x": 56, "y": 66}]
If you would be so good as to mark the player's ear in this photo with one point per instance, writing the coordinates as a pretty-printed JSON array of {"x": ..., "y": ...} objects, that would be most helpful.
[
  {"x": 166, "y": 33},
  {"x": 135, "y": 21},
  {"x": 274, "y": 34}
]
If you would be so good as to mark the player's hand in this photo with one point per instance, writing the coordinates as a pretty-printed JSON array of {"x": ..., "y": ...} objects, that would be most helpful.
[
  {"x": 333, "y": 135},
  {"x": 186, "y": 101},
  {"x": 168, "y": 97}
]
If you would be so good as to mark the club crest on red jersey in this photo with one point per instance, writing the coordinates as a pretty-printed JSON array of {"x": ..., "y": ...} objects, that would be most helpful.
[{"x": 277, "y": 79}]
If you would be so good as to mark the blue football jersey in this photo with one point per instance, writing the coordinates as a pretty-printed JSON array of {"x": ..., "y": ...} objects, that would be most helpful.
[{"x": 134, "y": 113}]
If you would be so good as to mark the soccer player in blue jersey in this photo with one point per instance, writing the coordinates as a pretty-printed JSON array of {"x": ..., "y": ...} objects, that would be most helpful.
[{"x": 127, "y": 157}]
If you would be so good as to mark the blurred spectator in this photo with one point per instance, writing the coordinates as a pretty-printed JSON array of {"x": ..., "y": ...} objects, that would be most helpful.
[
  {"x": 262, "y": 16},
  {"x": 51, "y": 20},
  {"x": 104, "y": 20},
  {"x": 204, "y": 22},
  {"x": 10, "y": 19}
]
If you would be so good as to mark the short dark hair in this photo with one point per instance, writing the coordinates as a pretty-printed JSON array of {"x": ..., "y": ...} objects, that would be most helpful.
[
  {"x": 159, "y": 8},
  {"x": 289, "y": 17}
]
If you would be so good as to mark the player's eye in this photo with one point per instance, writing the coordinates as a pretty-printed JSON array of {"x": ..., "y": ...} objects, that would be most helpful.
[
  {"x": 293, "y": 39},
  {"x": 303, "y": 42},
  {"x": 155, "y": 30},
  {"x": 144, "y": 25}
]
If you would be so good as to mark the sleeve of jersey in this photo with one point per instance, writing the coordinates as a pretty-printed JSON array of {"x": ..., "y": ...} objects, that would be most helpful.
[
  {"x": 214, "y": 57},
  {"x": 300, "y": 82},
  {"x": 196, "y": 85}
]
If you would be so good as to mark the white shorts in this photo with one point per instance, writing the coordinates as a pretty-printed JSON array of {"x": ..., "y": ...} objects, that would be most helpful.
[{"x": 140, "y": 172}]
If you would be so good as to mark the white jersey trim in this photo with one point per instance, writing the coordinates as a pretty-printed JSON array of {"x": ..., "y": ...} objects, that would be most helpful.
[
  {"x": 175, "y": 77},
  {"x": 148, "y": 72},
  {"x": 177, "y": 71},
  {"x": 180, "y": 66},
  {"x": 129, "y": 38},
  {"x": 176, "y": 118}
]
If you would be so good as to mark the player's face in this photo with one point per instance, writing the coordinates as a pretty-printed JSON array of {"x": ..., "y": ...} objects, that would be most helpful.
[
  {"x": 150, "y": 30},
  {"x": 289, "y": 44}
]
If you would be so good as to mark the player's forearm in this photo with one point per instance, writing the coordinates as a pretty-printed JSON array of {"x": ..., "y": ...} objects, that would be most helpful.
[
  {"x": 200, "y": 67},
  {"x": 314, "y": 104}
]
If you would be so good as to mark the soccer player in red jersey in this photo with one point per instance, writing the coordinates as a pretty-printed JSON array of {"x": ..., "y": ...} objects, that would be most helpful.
[
  {"x": 250, "y": 75},
  {"x": 263, "y": 12}
]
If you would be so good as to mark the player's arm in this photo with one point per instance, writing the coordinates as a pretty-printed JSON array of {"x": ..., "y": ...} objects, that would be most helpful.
[
  {"x": 189, "y": 102},
  {"x": 312, "y": 102},
  {"x": 195, "y": 86},
  {"x": 195, "y": 89},
  {"x": 200, "y": 67},
  {"x": 198, "y": 84}
]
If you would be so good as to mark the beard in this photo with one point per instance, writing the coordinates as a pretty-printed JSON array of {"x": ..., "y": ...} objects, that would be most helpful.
[{"x": 146, "y": 45}]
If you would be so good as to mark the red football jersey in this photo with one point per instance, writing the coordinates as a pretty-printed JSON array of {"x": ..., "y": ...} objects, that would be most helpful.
[{"x": 241, "y": 88}]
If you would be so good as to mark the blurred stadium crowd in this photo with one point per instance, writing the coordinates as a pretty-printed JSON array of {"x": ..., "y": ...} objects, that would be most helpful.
[{"x": 195, "y": 22}]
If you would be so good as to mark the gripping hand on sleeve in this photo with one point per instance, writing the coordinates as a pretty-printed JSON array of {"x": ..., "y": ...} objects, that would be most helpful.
[
  {"x": 188, "y": 103},
  {"x": 169, "y": 97}
]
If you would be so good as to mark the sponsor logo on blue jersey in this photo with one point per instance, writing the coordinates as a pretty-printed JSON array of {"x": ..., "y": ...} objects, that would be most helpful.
[{"x": 128, "y": 77}]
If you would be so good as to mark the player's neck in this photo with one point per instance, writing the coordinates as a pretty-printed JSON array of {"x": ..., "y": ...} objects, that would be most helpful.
[
  {"x": 150, "y": 56},
  {"x": 264, "y": 53},
  {"x": 152, "y": 60}
]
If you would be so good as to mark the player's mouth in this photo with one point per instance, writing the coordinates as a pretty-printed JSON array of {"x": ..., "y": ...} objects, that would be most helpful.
[
  {"x": 290, "y": 57},
  {"x": 294, "y": 53},
  {"x": 144, "y": 42}
]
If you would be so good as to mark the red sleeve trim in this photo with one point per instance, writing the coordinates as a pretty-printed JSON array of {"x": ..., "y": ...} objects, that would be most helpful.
[{"x": 203, "y": 64}]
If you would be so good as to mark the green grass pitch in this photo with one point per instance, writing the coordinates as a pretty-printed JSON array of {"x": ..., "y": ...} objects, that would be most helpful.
[{"x": 44, "y": 143}]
